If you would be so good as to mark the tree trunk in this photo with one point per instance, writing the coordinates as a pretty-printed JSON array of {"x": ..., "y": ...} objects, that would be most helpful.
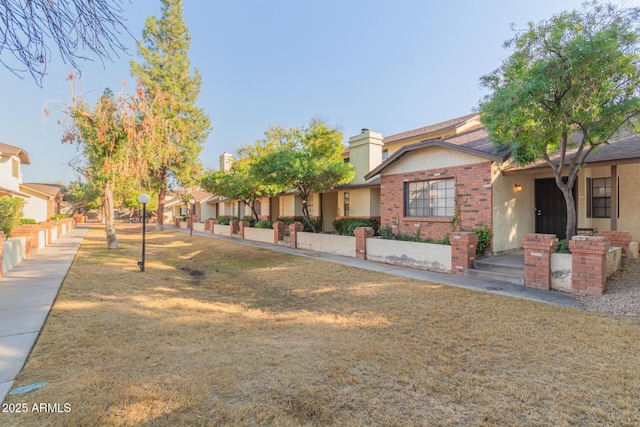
[
  {"x": 252, "y": 205},
  {"x": 305, "y": 212},
  {"x": 571, "y": 211},
  {"x": 107, "y": 205},
  {"x": 162, "y": 195}
]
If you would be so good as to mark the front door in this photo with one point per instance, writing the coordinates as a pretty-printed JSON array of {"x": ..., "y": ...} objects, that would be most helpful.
[{"x": 551, "y": 209}]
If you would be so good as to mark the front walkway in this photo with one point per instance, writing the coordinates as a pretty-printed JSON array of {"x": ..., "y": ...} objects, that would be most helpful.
[{"x": 500, "y": 288}]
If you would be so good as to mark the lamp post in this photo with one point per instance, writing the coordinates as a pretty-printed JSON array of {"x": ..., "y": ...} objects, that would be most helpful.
[
  {"x": 144, "y": 199},
  {"x": 192, "y": 208}
]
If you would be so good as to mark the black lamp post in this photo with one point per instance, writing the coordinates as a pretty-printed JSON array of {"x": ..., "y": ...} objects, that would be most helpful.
[
  {"x": 192, "y": 208},
  {"x": 144, "y": 199}
]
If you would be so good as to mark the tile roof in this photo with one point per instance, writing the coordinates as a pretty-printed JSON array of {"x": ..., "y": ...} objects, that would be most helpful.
[
  {"x": 453, "y": 123},
  {"x": 15, "y": 151}
]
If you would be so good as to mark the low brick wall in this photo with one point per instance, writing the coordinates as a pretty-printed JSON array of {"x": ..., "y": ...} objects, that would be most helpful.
[
  {"x": 198, "y": 226},
  {"x": 425, "y": 256}
]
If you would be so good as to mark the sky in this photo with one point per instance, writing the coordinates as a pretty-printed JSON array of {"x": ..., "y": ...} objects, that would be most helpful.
[{"x": 391, "y": 66}]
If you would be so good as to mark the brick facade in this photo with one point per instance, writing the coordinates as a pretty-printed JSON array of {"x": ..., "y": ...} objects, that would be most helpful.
[
  {"x": 472, "y": 190},
  {"x": 589, "y": 267},
  {"x": 463, "y": 251}
]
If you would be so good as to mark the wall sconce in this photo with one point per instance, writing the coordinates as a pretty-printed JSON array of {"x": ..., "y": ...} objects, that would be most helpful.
[{"x": 517, "y": 187}]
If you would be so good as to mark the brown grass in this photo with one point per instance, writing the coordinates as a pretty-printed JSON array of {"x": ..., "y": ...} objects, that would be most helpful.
[{"x": 218, "y": 333}]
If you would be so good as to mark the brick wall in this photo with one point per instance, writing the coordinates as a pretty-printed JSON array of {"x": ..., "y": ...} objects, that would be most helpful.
[{"x": 473, "y": 189}]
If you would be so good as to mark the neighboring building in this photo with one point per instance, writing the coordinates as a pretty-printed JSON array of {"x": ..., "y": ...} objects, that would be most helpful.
[
  {"x": 175, "y": 207},
  {"x": 43, "y": 203},
  {"x": 11, "y": 160}
]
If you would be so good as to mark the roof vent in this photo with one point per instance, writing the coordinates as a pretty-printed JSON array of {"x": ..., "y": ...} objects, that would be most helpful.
[{"x": 365, "y": 130}]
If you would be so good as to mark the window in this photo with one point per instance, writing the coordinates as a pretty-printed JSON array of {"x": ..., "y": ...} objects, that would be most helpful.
[
  {"x": 346, "y": 203},
  {"x": 15, "y": 168},
  {"x": 599, "y": 198},
  {"x": 385, "y": 154},
  {"x": 310, "y": 204},
  {"x": 433, "y": 198}
]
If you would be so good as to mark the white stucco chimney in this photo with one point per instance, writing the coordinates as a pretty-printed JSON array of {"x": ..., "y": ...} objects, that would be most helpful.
[
  {"x": 226, "y": 160},
  {"x": 365, "y": 153}
]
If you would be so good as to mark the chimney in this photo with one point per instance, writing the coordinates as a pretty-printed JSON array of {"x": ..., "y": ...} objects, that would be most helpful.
[
  {"x": 365, "y": 153},
  {"x": 226, "y": 160}
]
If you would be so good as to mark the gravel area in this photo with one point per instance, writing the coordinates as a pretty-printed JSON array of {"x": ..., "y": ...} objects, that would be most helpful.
[{"x": 622, "y": 295}]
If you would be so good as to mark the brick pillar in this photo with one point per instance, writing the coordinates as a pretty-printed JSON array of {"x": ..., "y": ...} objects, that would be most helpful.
[
  {"x": 243, "y": 225},
  {"x": 463, "y": 251},
  {"x": 207, "y": 225},
  {"x": 537, "y": 259},
  {"x": 35, "y": 239},
  {"x": 294, "y": 229},
  {"x": 24, "y": 231},
  {"x": 589, "y": 265},
  {"x": 279, "y": 229},
  {"x": 618, "y": 238},
  {"x": 362, "y": 234},
  {"x": 213, "y": 225},
  {"x": 2, "y": 239},
  {"x": 235, "y": 227}
]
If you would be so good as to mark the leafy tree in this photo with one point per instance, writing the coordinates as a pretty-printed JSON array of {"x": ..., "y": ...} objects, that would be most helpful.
[
  {"x": 165, "y": 69},
  {"x": 305, "y": 159},
  {"x": 117, "y": 138},
  {"x": 11, "y": 211},
  {"x": 571, "y": 84},
  {"x": 83, "y": 195},
  {"x": 240, "y": 182},
  {"x": 29, "y": 27}
]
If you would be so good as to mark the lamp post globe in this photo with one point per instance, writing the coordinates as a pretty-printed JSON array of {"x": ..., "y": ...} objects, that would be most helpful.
[{"x": 144, "y": 199}]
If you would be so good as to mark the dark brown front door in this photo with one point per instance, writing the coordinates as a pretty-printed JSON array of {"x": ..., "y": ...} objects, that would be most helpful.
[{"x": 551, "y": 209}]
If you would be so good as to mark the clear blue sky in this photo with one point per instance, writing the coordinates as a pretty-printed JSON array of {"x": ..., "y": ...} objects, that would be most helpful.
[{"x": 391, "y": 66}]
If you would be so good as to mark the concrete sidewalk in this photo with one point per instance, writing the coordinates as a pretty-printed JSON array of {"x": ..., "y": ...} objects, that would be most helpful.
[
  {"x": 500, "y": 288},
  {"x": 27, "y": 293}
]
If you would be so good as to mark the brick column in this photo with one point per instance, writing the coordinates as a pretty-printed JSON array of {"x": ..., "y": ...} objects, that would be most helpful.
[
  {"x": 588, "y": 263},
  {"x": 35, "y": 238},
  {"x": 362, "y": 234},
  {"x": 235, "y": 227},
  {"x": 463, "y": 251},
  {"x": 213, "y": 225},
  {"x": 294, "y": 229},
  {"x": 618, "y": 238},
  {"x": 537, "y": 259},
  {"x": 2, "y": 239},
  {"x": 207, "y": 225},
  {"x": 243, "y": 225},
  {"x": 279, "y": 229}
]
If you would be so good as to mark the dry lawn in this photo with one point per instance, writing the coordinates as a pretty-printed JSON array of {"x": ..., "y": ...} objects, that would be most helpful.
[{"x": 217, "y": 333}]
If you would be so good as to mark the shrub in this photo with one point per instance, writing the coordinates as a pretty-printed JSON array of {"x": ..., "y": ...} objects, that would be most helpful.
[
  {"x": 293, "y": 219},
  {"x": 10, "y": 213},
  {"x": 27, "y": 221},
  {"x": 387, "y": 233},
  {"x": 263, "y": 224},
  {"x": 484, "y": 238},
  {"x": 58, "y": 216},
  {"x": 226, "y": 219},
  {"x": 346, "y": 226},
  {"x": 250, "y": 218},
  {"x": 563, "y": 247}
]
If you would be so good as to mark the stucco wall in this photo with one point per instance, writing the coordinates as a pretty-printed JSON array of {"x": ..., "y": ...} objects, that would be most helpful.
[
  {"x": 329, "y": 243},
  {"x": 13, "y": 253},
  {"x": 223, "y": 230},
  {"x": 561, "y": 268},
  {"x": 36, "y": 208},
  {"x": 6, "y": 177},
  {"x": 363, "y": 202},
  {"x": 419, "y": 255},
  {"x": 430, "y": 158},
  {"x": 264, "y": 235}
]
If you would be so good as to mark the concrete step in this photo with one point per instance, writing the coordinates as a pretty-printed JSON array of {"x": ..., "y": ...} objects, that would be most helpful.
[
  {"x": 509, "y": 264},
  {"x": 497, "y": 276}
]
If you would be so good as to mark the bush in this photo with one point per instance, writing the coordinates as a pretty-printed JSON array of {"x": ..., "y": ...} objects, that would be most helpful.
[
  {"x": 10, "y": 213},
  {"x": 58, "y": 216},
  {"x": 387, "y": 233},
  {"x": 484, "y": 238},
  {"x": 346, "y": 226},
  {"x": 263, "y": 224},
  {"x": 563, "y": 247},
  {"x": 250, "y": 218},
  {"x": 27, "y": 221},
  {"x": 293, "y": 219},
  {"x": 226, "y": 219}
]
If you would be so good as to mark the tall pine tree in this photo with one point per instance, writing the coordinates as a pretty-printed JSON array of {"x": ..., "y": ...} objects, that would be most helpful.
[{"x": 165, "y": 71}]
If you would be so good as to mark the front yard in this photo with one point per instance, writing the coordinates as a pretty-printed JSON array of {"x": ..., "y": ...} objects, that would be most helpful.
[{"x": 215, "y": 332}]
